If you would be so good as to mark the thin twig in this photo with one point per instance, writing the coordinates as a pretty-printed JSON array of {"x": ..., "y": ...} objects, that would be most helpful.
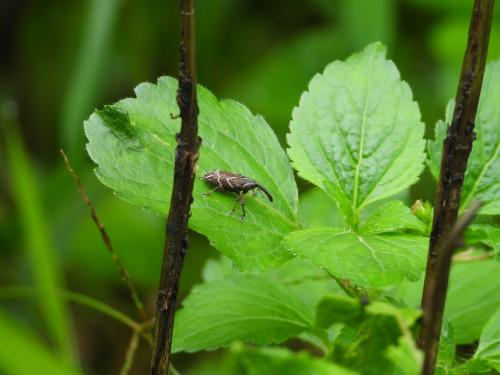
[
  {"x": 173, "y": 370},
  {"x": 130, "y": 354},
  {"x": 186, "y": 156},
  {"x": 456, "y": 149},
  {"x": 83, "y": 300},
  {"x": 107, "y": 240},
  {"x": 468, "y": 256}
]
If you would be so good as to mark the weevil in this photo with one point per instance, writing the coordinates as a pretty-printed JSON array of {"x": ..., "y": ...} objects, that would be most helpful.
[{"x": 235, "y": 183}]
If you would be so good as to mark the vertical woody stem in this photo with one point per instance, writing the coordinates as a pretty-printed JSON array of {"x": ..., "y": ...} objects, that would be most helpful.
[
  {"x": 456, "y": 149},
  {"x": 186, "y": 156}
]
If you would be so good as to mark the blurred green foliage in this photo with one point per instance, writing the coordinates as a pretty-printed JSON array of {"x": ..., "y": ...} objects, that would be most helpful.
[{"x": 60, "y": 60}]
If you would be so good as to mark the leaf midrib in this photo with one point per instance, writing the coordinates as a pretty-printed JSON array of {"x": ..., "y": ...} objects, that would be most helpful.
[{"x": 361, "y": 143}]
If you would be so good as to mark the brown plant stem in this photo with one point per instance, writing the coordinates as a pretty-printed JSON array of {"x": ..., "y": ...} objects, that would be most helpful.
[
  {"x": 456, "y": 149},
  {"x": 106, "y": 240},
  {"x": 438, "y": 286},
  {"x": 186, "y": 156}
]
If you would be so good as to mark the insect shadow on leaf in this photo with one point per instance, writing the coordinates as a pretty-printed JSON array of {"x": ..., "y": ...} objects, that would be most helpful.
[{"x": 235, "y": 183}]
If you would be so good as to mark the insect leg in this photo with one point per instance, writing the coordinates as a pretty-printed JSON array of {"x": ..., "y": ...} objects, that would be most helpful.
[
  {"x": 234, "y": 207},
  {"x": 242, "y": 217},
  {"x": 211, "y": 191}
]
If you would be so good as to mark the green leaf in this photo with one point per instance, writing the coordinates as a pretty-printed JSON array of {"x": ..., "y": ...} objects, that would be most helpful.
[
  {"x": 238, "y": 308},
  {"x": 357, "y": 132},
  {"x": 376, "y": 338},
  {"x": 486, "y": 234},
  {"x": 446, "y": 352},
  {"x": 362, "y": 346},
  {"x": 336, "y": 309},
  {"x": 473, "y": 296},
  {"x": 406, "y": 359},
  {"x": 405, "y": 317},
  {"x": 270, "y": 361},
  {"x": 21, "y": 353},
  {"x": 133, "y": 143},
  {"x": 215, "y": 269},
  {"x": 489, "y": 342},
  {"x": 392, "y": 216},
  {"x": 366, "y": 260},
  {"x": 379, "y": 341},
  {"x": 316, "y": 209},
  {"x": 482, "y": 180},
  {"x": 304, "y": 279}
]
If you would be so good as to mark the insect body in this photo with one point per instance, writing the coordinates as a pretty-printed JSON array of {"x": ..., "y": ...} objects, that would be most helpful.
[{"x": 233, "y": 182}]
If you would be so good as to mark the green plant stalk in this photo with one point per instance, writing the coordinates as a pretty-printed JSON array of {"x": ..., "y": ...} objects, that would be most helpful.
[
  {"x": 130, "y": 354},
  {"x": 456, "y": 149},
  {"x": 26, "y": 292},
  {"x": 41, "y": 252}
]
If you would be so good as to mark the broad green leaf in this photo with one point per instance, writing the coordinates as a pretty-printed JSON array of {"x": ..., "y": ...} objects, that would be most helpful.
[
  {"x": 446, "y": 352},
  {"x": 366, "y": 260},
  {"x": 317, "y": 209},
  {"x": 362, "y": 345},
  {"x": 304, "y": 279},
  {"x": 336, "y": 309},
  {"x": 215, "y": 269},
  {"x": 21, "y": 353},
  {"x": 238, "y": 308},
  {"x": 482, "y": 180},
  {"x": 133, "y": 143},
  {"x": 405, "y": 357},
  {"x": 472, "y": 366},
  {"x": 473, "y": 296},
  {"x": 489, "y": 342},
  {"x": 271, "y": 361},
  {"x": 486, "y": 234},
  {"x": 375, "y": 339},
  {"x": 405, "y": 317},
  {"x": 357, "y": 132},
  {"x": 392, "y": 216}
]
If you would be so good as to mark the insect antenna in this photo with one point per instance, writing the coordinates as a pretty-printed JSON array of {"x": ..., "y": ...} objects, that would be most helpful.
[{"x": 264, "y": 190}]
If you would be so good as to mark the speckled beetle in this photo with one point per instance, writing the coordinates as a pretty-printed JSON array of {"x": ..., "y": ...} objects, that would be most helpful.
[{"x": 233, "y": 182}]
